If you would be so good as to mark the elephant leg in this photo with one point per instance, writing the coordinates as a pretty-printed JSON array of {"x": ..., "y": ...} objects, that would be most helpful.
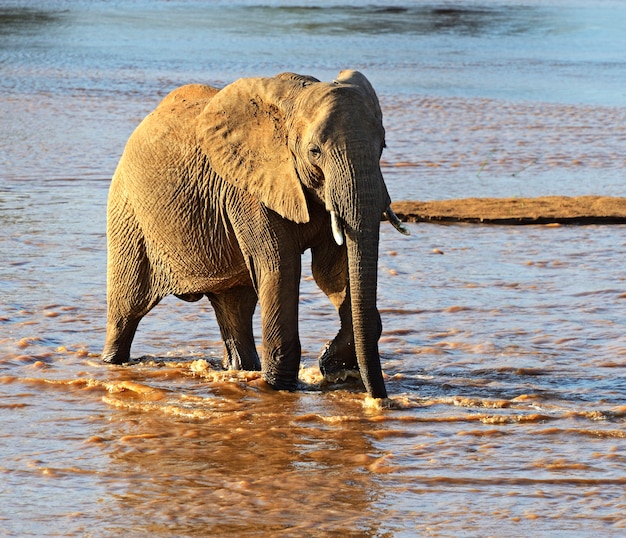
[
  {"x": 272, "y": 254},
  {"x": 234, "y": 309},
  {"x": 130, "y": 294},
  {"x": 338, "y": 356},
  {"x": 119, "y": 337},
  {"x": 278, "y": 290},
  {"x": 121, "y": 328},
  {"x": 330, "y": 270}
]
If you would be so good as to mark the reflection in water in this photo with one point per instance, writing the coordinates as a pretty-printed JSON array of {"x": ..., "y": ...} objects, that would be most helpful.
[{"x": 264, "y": 467}]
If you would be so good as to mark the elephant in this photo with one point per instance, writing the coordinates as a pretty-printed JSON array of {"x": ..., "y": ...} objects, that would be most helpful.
[{"x": 219, "y": 192}]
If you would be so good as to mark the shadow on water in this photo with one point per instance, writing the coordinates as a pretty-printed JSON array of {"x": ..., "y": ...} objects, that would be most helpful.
[
  {"x": 416, "y": 20},
  {"x": 19, "y": 20}
]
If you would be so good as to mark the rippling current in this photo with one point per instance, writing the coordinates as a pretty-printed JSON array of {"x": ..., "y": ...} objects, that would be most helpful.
[{"x": 503, "y": 347}]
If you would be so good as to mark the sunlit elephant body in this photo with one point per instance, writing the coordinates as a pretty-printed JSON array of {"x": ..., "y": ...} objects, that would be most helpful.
[{"x": 219, "y": 192}]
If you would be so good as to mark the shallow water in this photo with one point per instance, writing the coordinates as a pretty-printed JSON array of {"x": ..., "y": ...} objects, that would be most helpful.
[{"x": 503, "y": 347}]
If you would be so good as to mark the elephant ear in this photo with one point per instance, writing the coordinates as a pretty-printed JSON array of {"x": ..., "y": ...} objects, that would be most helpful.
[
  {"x": 356, "y": 78},
  {"x": 243, "y": 132}
]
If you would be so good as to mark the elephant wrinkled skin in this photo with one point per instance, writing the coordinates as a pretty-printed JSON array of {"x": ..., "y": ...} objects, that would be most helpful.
[{"x": 219, "y": 192}]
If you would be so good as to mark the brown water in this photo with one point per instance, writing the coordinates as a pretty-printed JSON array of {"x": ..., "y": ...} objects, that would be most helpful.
[
  {"x": 505, "y": 358},
  {"x": 503, "y": 347}
]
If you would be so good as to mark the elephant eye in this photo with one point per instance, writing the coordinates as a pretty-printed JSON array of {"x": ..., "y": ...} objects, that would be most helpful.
[{"x": 315, "y": 152}]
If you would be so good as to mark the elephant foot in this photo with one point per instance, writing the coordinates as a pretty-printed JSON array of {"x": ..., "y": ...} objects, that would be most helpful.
[
  {"x": 241, "y": 354},
  {"x": 236, "y": 361},
  {"x": 338, "y": 362},
  {"x": 120, "y": 333},
  {"x": 114, "y": 358},
  {"x": 342, "y": 376},
  {"x": 277, "y": 383}
]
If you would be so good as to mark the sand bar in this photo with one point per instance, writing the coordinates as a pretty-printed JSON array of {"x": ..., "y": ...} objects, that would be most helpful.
[{"x": 543, "y": 210}]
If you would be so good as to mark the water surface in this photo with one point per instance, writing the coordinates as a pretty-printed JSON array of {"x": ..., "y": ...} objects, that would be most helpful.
[{"x": 503, "y": 347}]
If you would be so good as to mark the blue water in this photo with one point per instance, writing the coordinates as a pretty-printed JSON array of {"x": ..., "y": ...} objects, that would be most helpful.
[
  {"x": 464, "y": 87},
  {"x": 561, "y": 51},
  {"x": 505, "y": 354}
]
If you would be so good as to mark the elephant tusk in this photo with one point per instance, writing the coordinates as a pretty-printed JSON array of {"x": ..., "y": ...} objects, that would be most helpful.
[
  {"x": 335, "y": 224},
  {"x": 395, "y": 222}
]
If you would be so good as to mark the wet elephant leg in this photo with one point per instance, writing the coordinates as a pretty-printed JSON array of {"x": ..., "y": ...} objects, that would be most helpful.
[
  {"x": 273, "y": 257},
  {"x": 234, "y": 309},
  {"x": 121, "y": 328},
  {"x": 130, "y": 294},
  {"x": 279, "y": 298},
  {"x": 119, "y": 338},
  {"x": 330, "y": 270},
  {"x": 337, "y": 358}
]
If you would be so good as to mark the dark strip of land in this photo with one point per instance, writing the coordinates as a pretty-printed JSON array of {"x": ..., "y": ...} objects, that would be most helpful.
[{"x": 544, "y": 210}]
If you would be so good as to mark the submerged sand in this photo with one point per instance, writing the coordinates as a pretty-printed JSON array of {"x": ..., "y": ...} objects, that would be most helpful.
[{"x": 542, "y": 210}]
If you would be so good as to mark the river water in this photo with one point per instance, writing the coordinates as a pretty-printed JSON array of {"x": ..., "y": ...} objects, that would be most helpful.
[{"x": 503, "y": 347}]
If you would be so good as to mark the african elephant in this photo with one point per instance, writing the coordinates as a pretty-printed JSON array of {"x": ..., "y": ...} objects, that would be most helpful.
[{"x": 219, "y": 192}]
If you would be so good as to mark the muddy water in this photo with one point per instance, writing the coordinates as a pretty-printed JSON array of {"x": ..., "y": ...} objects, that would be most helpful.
[
  {"x": 503, "y": 347},
  {"x": 504, "y": 356}
]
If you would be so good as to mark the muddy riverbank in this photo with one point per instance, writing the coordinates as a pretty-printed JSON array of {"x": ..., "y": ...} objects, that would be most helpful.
[{"x": 541, "y": 210}]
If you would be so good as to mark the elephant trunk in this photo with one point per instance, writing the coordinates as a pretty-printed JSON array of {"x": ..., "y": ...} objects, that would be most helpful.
[
  {"x": 361, "y": 213},
  {"x": 363, "y": 271}
]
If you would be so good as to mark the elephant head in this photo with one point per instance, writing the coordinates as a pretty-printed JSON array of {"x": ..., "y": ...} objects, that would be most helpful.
[{"x": 292, "y": 141}]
